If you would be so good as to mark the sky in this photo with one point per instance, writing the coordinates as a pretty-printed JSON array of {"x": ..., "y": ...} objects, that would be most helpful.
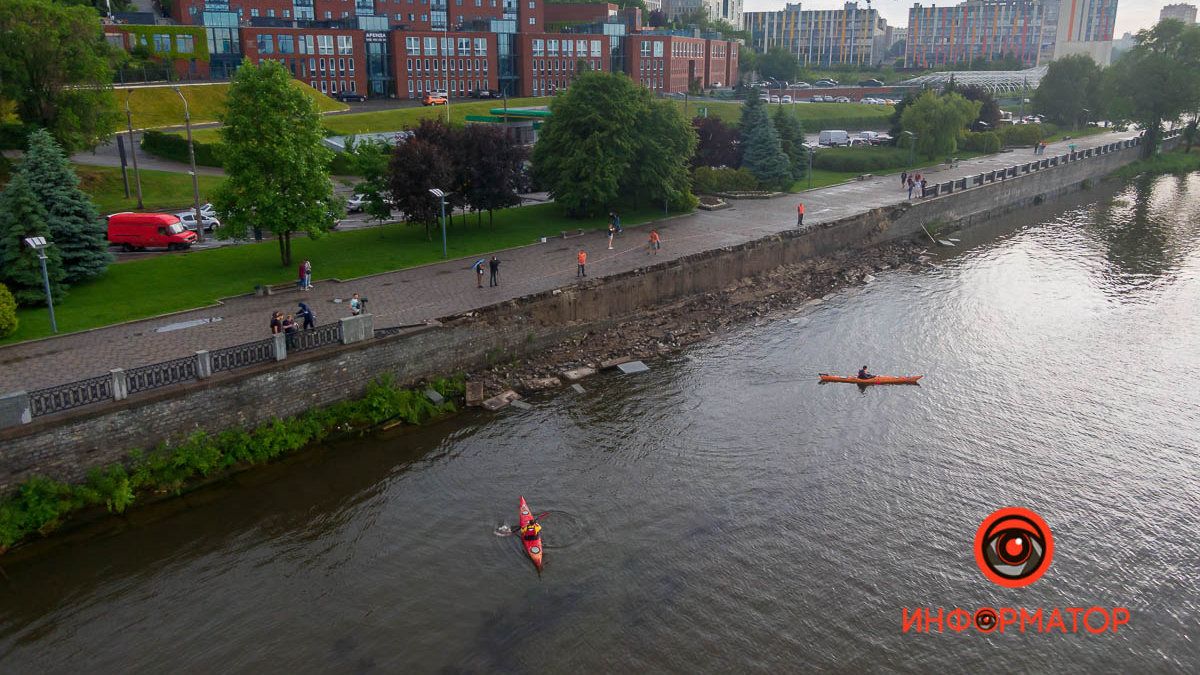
[{"x": 1132, "y": 15}]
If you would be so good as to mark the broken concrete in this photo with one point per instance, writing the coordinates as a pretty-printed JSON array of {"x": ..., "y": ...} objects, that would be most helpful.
[
  {"x": 474, "y": 393},
  {"x": 613, "y": 363},
  {"x": 576, "y": 374},
  {"x": 633, "y": 367},
  {"x": 501, "y": 400},
  {"x": 542, "y": 383}
]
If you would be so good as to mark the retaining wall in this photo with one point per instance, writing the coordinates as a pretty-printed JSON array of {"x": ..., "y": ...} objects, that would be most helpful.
[{"x": 67, "y": 445}]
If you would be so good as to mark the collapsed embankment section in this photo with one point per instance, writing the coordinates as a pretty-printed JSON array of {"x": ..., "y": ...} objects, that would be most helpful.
[{"x": 67, "y": 446}]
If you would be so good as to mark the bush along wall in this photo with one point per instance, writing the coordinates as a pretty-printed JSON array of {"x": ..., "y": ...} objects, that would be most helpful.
[
  {"x": 171, "y": 146},
  {"x": 40, "y": 505}
]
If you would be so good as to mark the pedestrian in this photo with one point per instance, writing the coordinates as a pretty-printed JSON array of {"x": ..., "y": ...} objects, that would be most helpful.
[
  {"x": 300, "y": 276},
  {"x": 478, "y": 267},
  {"x": 923, "y": 184},
  {"x": 903, "y": 179},
  {"x": 911, "y": 184},
  {"x": 612, "y": 232},
  {"x": 307, "y": 315},
  {"x": 617, "y": 223},
  {"x": 276, "y": 322},
  {"x": 494, "y": 268},
  {"x": 289, "y": 324},
  {"x": 306, "y": 275},
  {"x": 356, "y": 305},
  {"x": 655, "y": 242},
  {"x": 582, "y": 260},
  {"x": 799, "y": 214}
]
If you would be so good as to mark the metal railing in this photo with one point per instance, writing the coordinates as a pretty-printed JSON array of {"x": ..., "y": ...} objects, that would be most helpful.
[
  {"x": 329, "y": 334},
  {"x": 145, "y": 378},
  {"x": 240, "y": 356},
  {"x": 72, "y": 395}
]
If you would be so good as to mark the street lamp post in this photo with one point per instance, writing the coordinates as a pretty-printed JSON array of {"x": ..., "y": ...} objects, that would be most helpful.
[
  {"x": 187, "y": 120},
  {"x": 137, "y": 177},
  {"x": 811, "y": 152},
  {"x": 442, "y": 196},
  {"x": 39, "y": 244},
  {"x": 912, "y": 145}
]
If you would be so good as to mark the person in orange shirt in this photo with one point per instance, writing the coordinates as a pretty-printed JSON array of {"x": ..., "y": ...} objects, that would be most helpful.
[
  {"x": 582, "y": 258},
  {"x": 655, "y": 242},
  {"x": 800, "y": 213}
]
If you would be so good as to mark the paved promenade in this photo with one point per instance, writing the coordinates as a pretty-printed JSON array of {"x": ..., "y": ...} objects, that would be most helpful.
[{"x": 410, "y": 296}]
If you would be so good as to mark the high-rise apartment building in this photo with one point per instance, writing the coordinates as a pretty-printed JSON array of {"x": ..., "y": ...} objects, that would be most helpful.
[
  {"x": 726, "y": 10},
  {"x": 1083, "y": 27},
  {"x": 825, "y": 37},
  {"x": 1180, "y": 12}
]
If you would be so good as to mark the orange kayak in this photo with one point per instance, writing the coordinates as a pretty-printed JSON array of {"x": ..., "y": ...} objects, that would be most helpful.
[
  {"x": 532, "y": 546},
  {"x": 878, "y": 379}
]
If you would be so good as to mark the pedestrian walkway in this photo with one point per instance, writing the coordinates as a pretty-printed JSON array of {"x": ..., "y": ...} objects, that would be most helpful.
[{"x": 448, "y": 288}]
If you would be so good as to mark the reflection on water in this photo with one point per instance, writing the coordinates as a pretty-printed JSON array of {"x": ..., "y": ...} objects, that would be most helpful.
[{"x": 724, "y": 511}]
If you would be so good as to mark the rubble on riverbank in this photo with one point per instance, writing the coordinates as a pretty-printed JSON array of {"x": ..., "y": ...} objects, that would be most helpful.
[{"x": 670, "y": 328}]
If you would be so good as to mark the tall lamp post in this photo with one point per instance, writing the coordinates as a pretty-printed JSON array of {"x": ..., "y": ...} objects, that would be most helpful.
[
  {"x": 187, "y": 120},
  {"x": 442, "y": 196},
  {"x": 137, "y": 177},
  {"x": 39, "y": 244},
  {"x": 811, "y": 151},
  {"x": 912, "y": 145}
]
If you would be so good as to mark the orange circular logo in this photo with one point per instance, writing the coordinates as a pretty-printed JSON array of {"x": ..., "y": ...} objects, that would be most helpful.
[{"x": 1013, "y": 547}]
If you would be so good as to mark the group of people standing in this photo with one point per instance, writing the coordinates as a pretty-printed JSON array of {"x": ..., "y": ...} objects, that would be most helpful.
[
  {"x": 912, "y": 181},
  {"x": 287, "y": 324},
  {"x": 493, "y": 266},
  {"x": 653, "y": 244},
  {"x": 1039, "y": 148}
]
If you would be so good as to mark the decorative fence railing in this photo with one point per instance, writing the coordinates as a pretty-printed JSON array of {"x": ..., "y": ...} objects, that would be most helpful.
[
  {"x": 145, "y": 378},
  {"x": 329, "y": 334},
  {"x": 243, "y": 355},
  {"x": 68, "y": 396}
]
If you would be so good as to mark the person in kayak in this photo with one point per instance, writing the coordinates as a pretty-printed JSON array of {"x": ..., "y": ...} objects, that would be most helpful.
[
  {"x": 864, "y": 375},
  {"x": 531, "y": 531}
]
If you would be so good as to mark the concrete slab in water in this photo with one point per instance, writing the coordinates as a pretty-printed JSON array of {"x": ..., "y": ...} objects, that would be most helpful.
[
  {"x": 577, "y": 388},
  {"x": 577, "y": 374},
  {"x": 613, "y": 363},
  {"x": 434, "y": 397},
  {"x": 633, "y": 367},
  {"x": 522, "y": 405},
  {"x": 501, "y": 400}
]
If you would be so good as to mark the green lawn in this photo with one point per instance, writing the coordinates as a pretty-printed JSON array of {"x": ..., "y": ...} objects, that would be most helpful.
[
  {"x": 161, "y": 190},
  {"x": 171, "y": 282},
  {"x": 1082, "y": 132},
  {"x": 160, "y": 106}
]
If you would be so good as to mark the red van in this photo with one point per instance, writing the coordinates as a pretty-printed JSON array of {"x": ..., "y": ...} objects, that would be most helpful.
[{"x": 136, "y": 231}]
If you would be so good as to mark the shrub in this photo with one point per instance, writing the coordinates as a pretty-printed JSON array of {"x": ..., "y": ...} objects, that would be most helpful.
[
  {"x": 171, "y": 146},
  {"x": 707, "y": 180},
  {"x": 860, "y": 159},
  {"x": 987, "y": 141},
  {"x": 8, "y": 312},
  {"x": 1021, "y": 134}
]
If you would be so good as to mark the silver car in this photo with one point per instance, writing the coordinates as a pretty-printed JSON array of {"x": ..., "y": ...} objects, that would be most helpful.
[{"x": 188, "y": 220}]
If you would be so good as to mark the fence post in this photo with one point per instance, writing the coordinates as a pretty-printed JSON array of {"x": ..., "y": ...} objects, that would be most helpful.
[
  {"x": 14, "y": 409},
  {"x": 120, "y": 384},
  {"x": 280, "y": 347},
  {"x": 203, "y": 364}
]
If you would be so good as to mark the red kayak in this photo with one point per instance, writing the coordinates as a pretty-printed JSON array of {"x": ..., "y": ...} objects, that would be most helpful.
[
  {"x": 532, "y": 546},
  {"x": 878, "y": 379}
]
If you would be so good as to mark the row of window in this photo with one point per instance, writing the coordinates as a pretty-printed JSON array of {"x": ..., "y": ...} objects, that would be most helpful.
[
  {"x": 312, "y": 67},
  {"x": 652, "y": 64},
  {"x": 548, "y": 87},
  {"x": 559, "y": 65},
  {"x": 456, "y": 86},
  {"x": 652, "y": 82},
  {"x": 692, "y": 49},
  {"x": 412, "y": 46},
  {"x": 570, "y": 48},
  {"x": 303, "y": 44},
  {"x": 331, "y": 86},
  {"x": 464, "y": 65},
  {"x": 657, "y": 47}
]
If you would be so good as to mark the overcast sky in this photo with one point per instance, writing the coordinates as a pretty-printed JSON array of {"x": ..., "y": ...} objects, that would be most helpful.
[{"x": 1132, "y": 15}]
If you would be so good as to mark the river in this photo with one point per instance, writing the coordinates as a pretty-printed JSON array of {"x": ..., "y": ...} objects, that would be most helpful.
[{"x": 723, "y": 512}]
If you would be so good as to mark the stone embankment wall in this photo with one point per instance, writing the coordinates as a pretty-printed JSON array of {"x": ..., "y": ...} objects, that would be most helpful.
[{"x": 66, "y": 446}]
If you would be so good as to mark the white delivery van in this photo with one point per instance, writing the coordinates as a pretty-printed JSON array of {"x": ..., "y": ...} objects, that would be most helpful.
[{"x": 833, "y": 137}]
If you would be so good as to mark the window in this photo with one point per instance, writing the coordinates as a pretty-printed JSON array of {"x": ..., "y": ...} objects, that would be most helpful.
[
  {"x": 328, "y": 15},
  {"x": 271, "y": 13},
  {"x": 322, "y": 65},
  {"x": 532, "y": 4},
  {"x": 430, "y": 43},
  {"x": 342, "y": 66},
  {"x": 568, "y": 48},
  {"x": 324, "y": 90},
  {"x": 351, "y": 60},
  {"x": 266, "y": 45},
  {"x": 410, "y": 88},
  {"x": 596, "y": 48},
  {"x": 345, "y": 44},
  {"x": 581, "y": 48},
  {"x": 325, "y": 44},
  {"x": 412, "y": 45},
  {"x": 645, "y": 49},
  {"x": 552, "y": 48},
  {"x": 183, "y": 44},
  {"x": 480, "y": 47},
  {"x": 253, "y": 12},
  {"x": 448, "y": 46},
  {"x": 464, "y": 45},
  {"x": 162, "y": 43},
  {"x": 419, "y": 89},
  {"x": 410, "y": 65},
  {"x": 658, "y": 49},
  {"x": 539, "y": 47},
  {"x": 532, "y": 21},
  {"x": 287, "y": 13},
  {"x": 312, "y": 67},
  {"x": 286, "y": 44},
  {"x": 353, "y": 85}
]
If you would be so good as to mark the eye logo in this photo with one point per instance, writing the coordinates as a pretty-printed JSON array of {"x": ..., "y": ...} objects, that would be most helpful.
[{"x": 1013, "y": 547}]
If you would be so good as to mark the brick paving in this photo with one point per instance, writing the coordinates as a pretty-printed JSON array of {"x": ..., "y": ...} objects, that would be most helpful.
[{"x": 447, "y": 288}]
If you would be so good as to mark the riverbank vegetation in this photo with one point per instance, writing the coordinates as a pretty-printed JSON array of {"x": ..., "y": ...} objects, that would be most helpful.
[
  {"x": 1178, "y": 163},
  {"x": 41, "y": 505}
]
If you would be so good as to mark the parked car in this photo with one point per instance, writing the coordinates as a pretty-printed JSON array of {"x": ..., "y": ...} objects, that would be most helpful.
[
  {"x": 817, "y": 99},
  {"x": 858, "y": 143},
  {"x": 786, "y": 98},
  {"x": 826, "y": 83},
  {"x": 356, "y": 203},
  {"x": 774, "y": 99},
  {"x": 188, "y": 219},
  {"x": 833, "y": 137},
  {"x": 434, "y": 98},
  {"x": 842, "y": 99},
  {"x": 137, "y": 231},
  {"x": 348, "y": 96},
  {"x": 870, "y": 83},
  {"x": 801, "y": 85},
  {"x": 484, "y": 93},
  {"x": 207, "y": 210},
  {"x": 828, "y": 99}
]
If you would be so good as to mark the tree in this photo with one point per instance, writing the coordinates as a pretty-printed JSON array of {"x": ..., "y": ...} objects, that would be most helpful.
[
  {"x": 938, "y": 122},
  {"x": 418, "y": 166},
  {"x": 277, "y": 166},
  {"x": 8, "y": 313},
  {"x": 21, "y": 216},
  {"x": 989, "y": 108},
  {"x": 791, "y": 140},
  {"x": 54, "y": 63},
  {"x": 747, "y": 59},
  {"x": 1157, "y": 80},
  {"x": 898, "y": 111},
  {"x": 778, "y": 64},
  {"x": 1191, "y": 134},
  {"x": 588, "y": 151},
  {"x": 718, "y": 144},
  {"x": 369, "y": 160},
  {"x": 761, "y": 152},
  {"x": 494, "y": 163},
  {"x": 75, "y": 227},
  {"x": 1071, "y": 85},
  {"x": 656, "y": 19}
]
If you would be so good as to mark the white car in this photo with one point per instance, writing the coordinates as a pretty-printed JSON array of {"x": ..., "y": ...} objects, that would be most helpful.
[
  {"x": 188, "y": 220},
  {"x": 786, "y": 99},
  {"x": 842, "y": 99},
  {"x": 208, "y": 211},
  {"x": 356, "y": 203},
  {"x": 774, "y": 99},
  {"x": 801, "y": 85}
]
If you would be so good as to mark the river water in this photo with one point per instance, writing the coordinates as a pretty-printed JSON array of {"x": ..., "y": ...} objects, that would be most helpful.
[{"x": 723, "y": 512}]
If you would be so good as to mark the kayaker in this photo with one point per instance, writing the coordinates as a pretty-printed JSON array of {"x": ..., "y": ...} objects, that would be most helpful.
[
  {"x": 531, "y": 531},
  {"x": 864, "y": 375}
]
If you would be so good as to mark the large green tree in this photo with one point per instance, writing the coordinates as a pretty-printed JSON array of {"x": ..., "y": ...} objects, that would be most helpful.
[
  {"x": 369, "y": 160},
  {"x": 1156, "y": 81},
  {"x": 21, "y": 216},
  {"x": 277, "y": 166},
  {"x": 494, "y": 166},
  {"x": 607, "y": 141},
  {"x": 762, "y": 153},
  {"x": 778, "y": 63},
  {"x": 56, "y": 66},
  {"x": 791, "y": 140},
  {"x": 417, "y": 166},
  {"x": 1070, "y": 86},
  {"x": 938, "y": 121},
  {"x": 75, "y": 226}
]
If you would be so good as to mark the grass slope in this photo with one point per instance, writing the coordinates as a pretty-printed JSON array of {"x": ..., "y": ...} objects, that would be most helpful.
[
  {"x": 160, "y": 106},
  {"x": 161, "y": 190},
  {"x": 171, "y": 282}
]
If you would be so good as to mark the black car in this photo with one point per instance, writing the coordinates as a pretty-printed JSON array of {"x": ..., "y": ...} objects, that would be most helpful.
[
  {"x": 826, "y": 83},
  {"x": 484, "y": 93},
  {"x": 870, "y": 83},
  {"x": 348, "y": 96}
]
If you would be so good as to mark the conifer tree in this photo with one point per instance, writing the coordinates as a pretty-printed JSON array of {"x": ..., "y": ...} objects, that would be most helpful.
[
  {"x": 75, "y": 227},
  {"x": 21, "y": 216},
  {"x": 761, "y": 152},
  {"x": 791, "y": 140}
]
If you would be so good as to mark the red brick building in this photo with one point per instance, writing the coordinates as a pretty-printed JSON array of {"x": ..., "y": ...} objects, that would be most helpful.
[
  {"x": 327, "y": 59},
  {"x": 456, "y": 63},
  {"x": 548, "y": 62},
  {"x": 669, "y": 63},
  {"x": 184, "y": 48}
]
